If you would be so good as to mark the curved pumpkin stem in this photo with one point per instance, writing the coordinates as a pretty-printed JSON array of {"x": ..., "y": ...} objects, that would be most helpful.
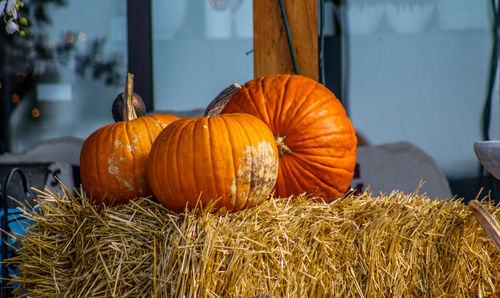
[
  {"x": 282, "y": 147},
  {"x": 128, "y": 108},
  {"x": 219, "y": 102},
  {"x": 487, "y": 221}
]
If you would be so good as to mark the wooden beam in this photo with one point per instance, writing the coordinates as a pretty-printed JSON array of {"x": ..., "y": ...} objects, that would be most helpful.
[{"x": 271, "y": 51}]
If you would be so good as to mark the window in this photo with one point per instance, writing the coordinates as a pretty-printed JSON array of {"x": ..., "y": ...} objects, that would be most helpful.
[
  {"x": 199, "y": 48},
  {"x": 63, "y": 79},
  {"x": 418, "y": 72}
]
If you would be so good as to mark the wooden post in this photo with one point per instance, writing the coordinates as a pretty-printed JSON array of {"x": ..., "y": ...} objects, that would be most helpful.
[{"x": 271, "y": 51}]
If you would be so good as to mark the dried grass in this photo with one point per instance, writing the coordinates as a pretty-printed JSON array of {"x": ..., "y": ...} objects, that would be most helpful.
[{"x": 365, "y": 245}]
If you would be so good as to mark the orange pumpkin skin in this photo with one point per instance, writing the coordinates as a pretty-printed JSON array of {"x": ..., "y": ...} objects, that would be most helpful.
[
  {"x": 316, "y": 139},
  {"x": 232, "y": 158},
  {"x": 113, "y": 159}
]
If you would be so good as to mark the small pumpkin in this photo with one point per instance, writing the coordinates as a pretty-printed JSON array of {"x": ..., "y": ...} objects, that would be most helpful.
[
  {"x": 232, "y": 158},
  {"x": 119, "y": 106},
  {"x": 113, "y": 158},
  {"x": 316, "y": 140}
]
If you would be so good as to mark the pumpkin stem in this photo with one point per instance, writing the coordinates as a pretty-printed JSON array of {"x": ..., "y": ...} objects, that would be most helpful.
[
  {"x": 120, "y": 100},
  {"x": 219, "y": 102},
  {"x": 128, "y": 108},
  {"x": 282, "y": 147}
]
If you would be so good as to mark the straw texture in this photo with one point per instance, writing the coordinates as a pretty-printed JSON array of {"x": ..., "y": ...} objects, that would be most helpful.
[{"x": 363, "y": 246}]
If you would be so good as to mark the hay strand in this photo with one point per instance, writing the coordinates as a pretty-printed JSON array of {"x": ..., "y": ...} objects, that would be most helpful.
[{"x": 364, "y": 245}]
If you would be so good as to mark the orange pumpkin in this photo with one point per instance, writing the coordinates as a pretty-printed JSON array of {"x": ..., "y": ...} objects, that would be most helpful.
[
  {"x": 232, "y": 158},
  {"x": 113, "y": 158},
  {"x": 315, "y": 138}
]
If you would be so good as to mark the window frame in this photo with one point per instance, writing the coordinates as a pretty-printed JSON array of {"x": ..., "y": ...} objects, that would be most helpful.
[{"x": 140, "y": 49}]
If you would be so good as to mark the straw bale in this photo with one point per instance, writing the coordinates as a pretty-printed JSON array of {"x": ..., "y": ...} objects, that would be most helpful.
[{"x": 363, "y": 245}]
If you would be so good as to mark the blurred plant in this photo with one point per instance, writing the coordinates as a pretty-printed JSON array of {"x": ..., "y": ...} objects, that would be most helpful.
[
  {"x": 36, "y": 48},
  {"x": 95, "y": 61},
  {"x": 9, "y": 13},
  {"x": 30, "y": 57}
]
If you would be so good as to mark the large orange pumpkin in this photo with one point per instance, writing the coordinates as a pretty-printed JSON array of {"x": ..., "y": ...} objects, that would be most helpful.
[
  {"x": 232, "y": 158},
  {"x": 113, "y": 158},
  {"x": 316, "y": 140}
]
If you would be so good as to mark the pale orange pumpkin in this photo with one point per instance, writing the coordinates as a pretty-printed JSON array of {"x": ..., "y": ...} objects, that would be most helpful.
[
  {"x": 315, "y": 138},
  {"x": 230, "y": 158},
  {"x": 113, "y": 158}
]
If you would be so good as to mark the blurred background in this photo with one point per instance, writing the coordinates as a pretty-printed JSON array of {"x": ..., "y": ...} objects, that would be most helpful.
[{"x": 419, "y": 71}]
